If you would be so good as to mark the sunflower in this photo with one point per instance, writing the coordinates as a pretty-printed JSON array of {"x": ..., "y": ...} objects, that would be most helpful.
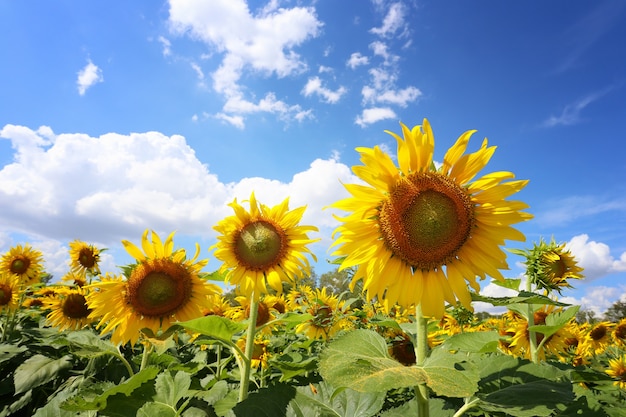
[
  {"x": 550, "y": 266},
  {"x": 161, "y": 288},
  {"x": 619, "y": 333},
  {"x": 556, "y": 345},
  {"x": 74, "y": 278},
  {"x": 418, "y": 233},
  {"x": 9, "y": 292},
  {"x": 598, "y": 338},
  {"x": 265, "y": 312},
  {"x": 326, "y": 320},
  {"x": 260, "y": 353},
  {"x": 263, "y": 246},
  {"x": 617, "y": 369},
  {"x": 69, "y": 310},
  {"x": 84, "y": 258},
  {"x": 23, "y": 262}
]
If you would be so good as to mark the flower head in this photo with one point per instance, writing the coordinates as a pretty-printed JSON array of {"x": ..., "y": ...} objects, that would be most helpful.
[
  {"x": 68, "y": 309},
  {"x": 417, "y": 233},
  {"x": 550, "y": 266},
  {"x": 9, "y": 292},
  {"x": 162, "y": 287},
  {"x": 84, "y": 258},
  {"x": 263, "y": 246},
  {"x": 617, "y": 369},
  {"x": 24, "y": 263}
]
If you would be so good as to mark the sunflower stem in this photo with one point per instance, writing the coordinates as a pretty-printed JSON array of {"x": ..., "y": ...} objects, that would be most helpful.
[
  {"x": 247, "y": 359},
  {"x": 421, "y": 353},
  {"x": 532, "y": 335},
  {"x": 147, "y": 349}
]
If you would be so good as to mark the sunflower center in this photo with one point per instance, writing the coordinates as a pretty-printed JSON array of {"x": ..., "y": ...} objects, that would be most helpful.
[
  {"x": 158, "y": 288},
  {"x": 5, "y": 294},
  {"x": 19, "y": 265},
  {"x": 598, "y": 332},
  {"x": 426, "y": 220},
  {"x": 75, "y": 306},
  {"x": 260, "y": 245},
  {"x": 87, "y": 258}
]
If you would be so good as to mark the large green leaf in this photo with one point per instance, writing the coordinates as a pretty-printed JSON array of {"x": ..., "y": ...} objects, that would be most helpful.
[
  {"x": 10, "y": 351},
  {"x": 153, "y": 409},
  {"x": 521, "y": 388},
  {"x": 171, "y": 389},
  {"x": 478, "y": 342},
  {"x": 267, "y": 402},
  {"x": 323, "y": 400},
  {"x": 216, "y": 327},
  {"x": 524, "y": 297},
  {"x": 126, "y": 388},
  {"x": 90, "y": 345},
  {"x": 37, "y": 370},
  {"x": 450, "y": 375},
  {"x": 359, "y": 360}
]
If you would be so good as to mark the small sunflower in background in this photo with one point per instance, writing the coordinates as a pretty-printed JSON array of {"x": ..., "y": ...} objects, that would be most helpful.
[
  {"x": 550, "y": 266},
  {"x": 68, "y": 309},
  {"x": 73, "y": 278},
  {"x": 260, "y": 354},
  {"x": 263, "y": 246},
  {"x": 418, "y": 233},
  {"x": 162, "y": 287},
  {"x": 216, "y": 305},
  {"x": 617, "y": 369},
  {"x": 241, "y": 312},
  {"x": 23, "y": 262},
  {"x": 9, "y": 292},
  {"x": 598, "y": 338},
  {"x": 84, "y": 258},
  {"x": 619, "y": 333},
  {"x": 327, "y": 318}
]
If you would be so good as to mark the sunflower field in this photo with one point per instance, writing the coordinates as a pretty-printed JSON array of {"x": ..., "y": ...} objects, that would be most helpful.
[{"x": 162, "y": 338}]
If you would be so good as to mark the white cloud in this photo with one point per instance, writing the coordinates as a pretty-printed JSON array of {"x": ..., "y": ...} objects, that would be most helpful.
[
  {"x": 167, "y": 46},
  {"x": 356, "y": 59},
  {"x": 88, "y": 76},
  {"x": 393, "y": 21},
  {"x": 263, "y": 43},
  {"x": 559, "y": 212},
  {"x": 103, "y": 189},
  {"x": 570, "y": 115},
  {"x": 314, "y": 86},
  {"x": 599, "y": 299},
  {"x": 595, "y": 257},
  {"x": 373, "y": 115}
]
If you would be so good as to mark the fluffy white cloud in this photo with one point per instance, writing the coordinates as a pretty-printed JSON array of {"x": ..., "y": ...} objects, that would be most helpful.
[
  {"x": 393, "y": 21},
  {"x": 103, "y": 189},
  {"x": 88, "y": 76},
  {"x": 356, "y": 59},
  {"x": 263, "y": 42},
  {"x": 595, "y": 257},
  {"x": 373, "y": 115},
  {"x": 599, "y": 299},
  {"x": 314, "y": 86}
]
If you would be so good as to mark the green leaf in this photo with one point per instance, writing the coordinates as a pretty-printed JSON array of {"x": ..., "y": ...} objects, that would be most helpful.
[
  {"x": 216, "y": 327},
  {"x": 153, "y": 409},
  {"x": 37, "y": 370},
  {"x": 292, "y": 364},
  {"x": 170, "y": 390},
  {"x": 10, "y": 351},
  {"x": 450, "y": 375},
  {"x": 212, "y": 395},
  {"x": 323, "y": 400},
  {"x": 224, "y": 406},
  {"x": 359, "y": 360},
  {"x": 510, "y": 283},
  {"x": 91, "y": 345},
  {"x": 478, "y": 342},
  {"x": 126, "y": 388},
  {"x": 267, "y": 402},
  {"x": 437, "y": 408},
  {"x": 524, "y": 297},
  {"x": 521, "y": 388}
]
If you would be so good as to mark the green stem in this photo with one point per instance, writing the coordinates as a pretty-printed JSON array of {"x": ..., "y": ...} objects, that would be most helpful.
[
  {"x": 147, "y": 349},
  {"x": 125, "y": 362},
  {"x": 421, "y": 353},
  {"x": 247, "y": 359},
  {"x": 466, "y": 406},
  {"x": 532, "y": 335}
]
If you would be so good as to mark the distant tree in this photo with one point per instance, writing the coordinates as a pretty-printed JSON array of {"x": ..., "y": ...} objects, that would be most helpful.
[
  {"x": 482, "y": 315},
  {"x": 338, "y": 282},
  {"x": 46, "y": 278},
  {"x": 616, "y": 312},
  {"x": 586, "y": 316}
]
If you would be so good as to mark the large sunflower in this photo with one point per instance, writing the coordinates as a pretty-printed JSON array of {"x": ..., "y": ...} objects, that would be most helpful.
[
  {"x": 418, "y": 233},
  {"x": 161, "y": 288},
  {"x": 23, "y": 262},
  {"x": 68, "y": 309},
  {"x": 84, "y": 258},
  {"x": 263, "y": 246}
]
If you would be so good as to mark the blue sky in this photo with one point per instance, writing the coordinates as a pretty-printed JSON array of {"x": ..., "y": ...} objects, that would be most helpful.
[{"x": 119, "y": 116}]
